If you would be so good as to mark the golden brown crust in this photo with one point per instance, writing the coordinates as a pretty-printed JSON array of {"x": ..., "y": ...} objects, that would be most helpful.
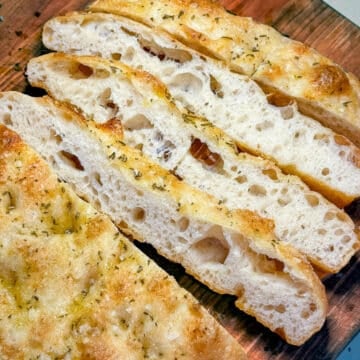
[
  {"x": 71, "y": 285},
  {"x": 322, "y": 89}
]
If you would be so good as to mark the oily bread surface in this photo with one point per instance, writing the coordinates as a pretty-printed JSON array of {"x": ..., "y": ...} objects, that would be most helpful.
[
  {"x": 322, "y": 88},
  {"x": 257, "y": 253},
  {"x": 78, "y": 288}
]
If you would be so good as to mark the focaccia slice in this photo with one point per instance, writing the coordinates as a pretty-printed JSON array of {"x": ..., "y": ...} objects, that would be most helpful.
[
  {"x": 233, "y": 252},
  {"x": 280, "y": 65},
  {"x": 199, "y": 153},
  {"x": 72, "y": 287}
]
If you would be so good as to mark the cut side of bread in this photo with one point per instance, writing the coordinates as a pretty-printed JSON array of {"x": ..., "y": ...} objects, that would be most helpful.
[
  {"x": 233, "y": 252},
  {"x": 199, "y": 153},
  {"x": 72, "y": 287},
  {"x": 277, "y": 63},
  {"x": 326, "y": 161}
]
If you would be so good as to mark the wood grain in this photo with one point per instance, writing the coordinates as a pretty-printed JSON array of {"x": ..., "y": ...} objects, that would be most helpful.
[{"x": 309, "y": 21}]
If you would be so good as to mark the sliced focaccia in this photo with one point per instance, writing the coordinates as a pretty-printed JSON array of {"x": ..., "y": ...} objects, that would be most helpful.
[
  {"x": 326, "y": 161},
  {"x": 233, "y": 252},
  {"x": 72, "y": 287},
  {"x": 199, "y": 153},
  {"x": 280, "y": 65}
]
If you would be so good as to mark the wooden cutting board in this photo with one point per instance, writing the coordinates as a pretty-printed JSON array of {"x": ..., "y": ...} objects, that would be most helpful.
[{"x": 309, "y": 21}]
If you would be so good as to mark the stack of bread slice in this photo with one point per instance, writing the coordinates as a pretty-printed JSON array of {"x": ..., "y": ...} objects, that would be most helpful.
[
  {"x": 233, "y": 252},
  {"x": 102, "y": 90},
  {"x": 280, "y": 65},
  {"x": 192, "y": 158},
  {"x": 326, "y": 161}
]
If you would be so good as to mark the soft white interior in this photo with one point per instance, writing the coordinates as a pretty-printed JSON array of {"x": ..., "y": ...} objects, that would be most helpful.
[
  {"x": 302, "y": 217},
  {"x": 230, "y": 101},
  {"x": 221, "y": 258}
]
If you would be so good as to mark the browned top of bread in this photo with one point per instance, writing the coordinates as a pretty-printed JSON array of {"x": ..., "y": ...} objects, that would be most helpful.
[
  {"x": 72, "y": 286},
  {"x": 279, "y": 64}
]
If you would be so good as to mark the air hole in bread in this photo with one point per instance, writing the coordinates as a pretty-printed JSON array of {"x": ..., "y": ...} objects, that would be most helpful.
[
  {"x": 138, "y": 214},
  {"x": 278, "y": 308},
  {"x": 182, "y": 240},
  {"x": 152, "y": 48},
  {"x": 270, "y": 173},
  {"x": 97, "y": 178},
  {"x": 165, "y": 150},
  {"x": 216, "y": 87},
  {"x": 123, "y": 224},
  {"x": 7, "y": 120},
  {"x": 268, "y": 265},
  {"x": 105, "y": 199},
  {"x": 128, "y": 31},
  {"x": 342, "y": 216},
  {"x": 283, "y": 201},
  {"x": 80, "y": 71},
  {"x": 106, "y": 102},
  {"x": 8, "y": 200},
  {"x": 354, "y": 157},
  {"x": 54, "y": 136},
  {"x": 329, "y": 215},
  {"x": 139, "y": 146},
  {"x": 331, "y": 248},
  {"x": 128, "y": 55},
  {"x": 305, "y": 314},
  {"x": 341, "y": 140},
  {"x": 321, "y": 231},
  {"x": 278, "y": 99},
  {"x": 342, "y": 153},
  {"x": 210, "y": 249},
  {"x": 200, "y": 151},
  {"x": 264, "y": 125},
  {"x": 257, "y": 190},
  {"x": 139, "y": 193},
  {"x": 345, "y": 239},
  {"x": 186, "y": 82},
  {"x": 116, "y": 56},
  {"x": 312, "y": 200},
  {"x": 97, "y": 204},
  {"x": 323, "y": 137},
  {"x": 137, "y": 122},
  {"x": 183, "y": 224},
  {"x": 338, "y": 232},
  {"x": 71, "y": 160},
  {"x": 241, "y": 179},
  {"x": 287, "y": 112},
  {"x": 102, "y": 73},
  {"x": 325, "y": 171}
]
